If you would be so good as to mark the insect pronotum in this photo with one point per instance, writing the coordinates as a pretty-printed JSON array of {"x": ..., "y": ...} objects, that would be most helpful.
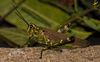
[{"x": 51, "y": 38}]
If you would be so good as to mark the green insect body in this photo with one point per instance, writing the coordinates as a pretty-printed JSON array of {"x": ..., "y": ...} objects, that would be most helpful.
[
  {"x": 37, "y": 33},
  {"x": 95, "y": 2},
  {"x": 51, "y": 38}
]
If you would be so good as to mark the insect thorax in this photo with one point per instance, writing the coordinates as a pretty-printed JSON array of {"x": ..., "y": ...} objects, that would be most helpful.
[{"x": 36, "y": 33}]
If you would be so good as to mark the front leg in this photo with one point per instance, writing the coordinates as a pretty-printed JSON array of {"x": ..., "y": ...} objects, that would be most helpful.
[{"x": 27, "y": 43}]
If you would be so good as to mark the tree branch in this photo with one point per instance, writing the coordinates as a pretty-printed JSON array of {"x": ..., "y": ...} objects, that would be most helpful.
[{"x": 79, "y": 16}]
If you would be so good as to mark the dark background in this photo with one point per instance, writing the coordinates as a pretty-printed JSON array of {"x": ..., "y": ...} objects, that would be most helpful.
[{"x": 93, "y": 39}]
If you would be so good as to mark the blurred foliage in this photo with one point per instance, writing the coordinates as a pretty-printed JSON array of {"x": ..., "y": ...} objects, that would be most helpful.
[{"x": 49, "y": 14}]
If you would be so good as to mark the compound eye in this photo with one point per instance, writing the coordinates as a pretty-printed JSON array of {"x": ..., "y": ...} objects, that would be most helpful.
[
  {"x": 31, "y": 26},
  {"x": 43, "y": 31}
]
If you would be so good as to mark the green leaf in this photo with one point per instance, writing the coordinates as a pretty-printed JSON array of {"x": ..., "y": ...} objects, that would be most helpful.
[
  {"x": 15, "y": 35},
  {"x": 9, "y": 42},
  {"x": 99, "y": 26},
  {"x": 86, "y": 2},
  {"x": 92, "y": 23},
  {"x": 56, "y": 3},
  {"x": 78, "y": 34},
  {"x": 76, "y": 5},
  {"x": 52, "y": 15}
]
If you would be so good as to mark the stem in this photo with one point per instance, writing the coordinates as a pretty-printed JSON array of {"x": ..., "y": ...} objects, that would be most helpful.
[{"x": 79, "y": 16}]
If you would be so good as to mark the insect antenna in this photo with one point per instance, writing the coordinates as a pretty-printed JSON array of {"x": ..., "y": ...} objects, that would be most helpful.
[{"x": 18, "y": 13}]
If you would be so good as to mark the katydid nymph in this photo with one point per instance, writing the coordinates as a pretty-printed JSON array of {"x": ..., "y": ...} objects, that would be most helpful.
[
  {"x": 95, "y": 2},
  {"x": 52, "y": 39}
]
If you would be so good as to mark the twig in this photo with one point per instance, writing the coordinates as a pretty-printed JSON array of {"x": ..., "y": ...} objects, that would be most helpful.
[
  {"x": 79, "y": 16},
  {"x": 11, "y": 10}
]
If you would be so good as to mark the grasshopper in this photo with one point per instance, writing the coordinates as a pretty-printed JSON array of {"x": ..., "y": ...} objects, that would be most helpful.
[{"x": 51, "y": 38}]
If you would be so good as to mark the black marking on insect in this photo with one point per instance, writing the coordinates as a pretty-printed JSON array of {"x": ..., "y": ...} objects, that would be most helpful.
[{"x": 50, "y": 37}]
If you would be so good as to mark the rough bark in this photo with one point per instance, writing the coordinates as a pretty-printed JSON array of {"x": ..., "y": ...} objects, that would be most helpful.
[{"x": 32, "y": 54}]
